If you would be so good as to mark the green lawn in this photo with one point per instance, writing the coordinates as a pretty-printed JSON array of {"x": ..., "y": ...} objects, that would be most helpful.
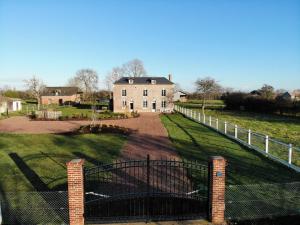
[
  {"x": 197, "y": 142},
  {"x": 284, "y": 128},
  {"x": 38, "y": 161}
]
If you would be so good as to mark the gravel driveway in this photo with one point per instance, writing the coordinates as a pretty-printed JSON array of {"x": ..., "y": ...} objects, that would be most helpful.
[{"x": 150, "y": 137}]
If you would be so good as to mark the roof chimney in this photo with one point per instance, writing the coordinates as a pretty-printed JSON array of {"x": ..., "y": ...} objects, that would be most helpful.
[{"x": 170, "y": 77}]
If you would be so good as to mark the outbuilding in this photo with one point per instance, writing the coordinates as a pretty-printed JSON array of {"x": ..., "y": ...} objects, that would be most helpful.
[
  {"x": 180, "y": 96},
  {"x": 10, "y": 104}
]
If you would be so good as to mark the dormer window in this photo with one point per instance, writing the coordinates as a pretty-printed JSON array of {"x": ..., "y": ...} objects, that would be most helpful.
[
  {"x": 153, "y": 81},
  {"x": 130, "y": 81},
  {"x": 57, "y": 92}
]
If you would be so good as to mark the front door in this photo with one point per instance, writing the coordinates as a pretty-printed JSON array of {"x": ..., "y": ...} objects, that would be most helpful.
[
  {"x": 131, "y": 106},
  {"x": 153, "y": 106}
]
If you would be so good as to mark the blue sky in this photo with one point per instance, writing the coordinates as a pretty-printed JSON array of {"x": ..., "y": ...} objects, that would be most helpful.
[{"x": 242, "y": 44}]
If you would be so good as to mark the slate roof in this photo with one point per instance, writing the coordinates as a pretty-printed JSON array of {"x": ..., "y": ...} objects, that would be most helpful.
[
  {"x": 183, "y": 92},
  {"x": 61, "y": 91},
  {"x": 143, "y": 80}
]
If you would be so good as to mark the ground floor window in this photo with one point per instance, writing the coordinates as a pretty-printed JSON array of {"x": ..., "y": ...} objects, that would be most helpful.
[
  {"x": 163, "y": 104},
  {"x": 145, "y": 103}
]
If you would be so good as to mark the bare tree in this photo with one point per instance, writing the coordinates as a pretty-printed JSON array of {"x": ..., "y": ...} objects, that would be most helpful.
[
  {"x": 134, "y": 68},
  {"x": 267, "y": 91},
  {"x": 35, "y": 88},
  {"x": 115, "y": 74},
  {"x": 177, "y": 87},
  {"x": 87, "y": 80},
  {"x": 207, "y": 87},
  {"x": 170, "y": 99}
]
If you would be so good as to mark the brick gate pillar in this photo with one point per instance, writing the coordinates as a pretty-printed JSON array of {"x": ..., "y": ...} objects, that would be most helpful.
[
  {"x": 76, "y": 191},
  {"x": 217, "y": 190}
]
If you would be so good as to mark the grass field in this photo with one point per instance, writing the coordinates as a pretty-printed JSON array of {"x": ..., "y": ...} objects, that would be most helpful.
[
  {"x": 209, "y": 104},
  {"x": 284, "y": 128},
  {"x": 197, "y": 142},
  {"x": 38, "y": 161}
]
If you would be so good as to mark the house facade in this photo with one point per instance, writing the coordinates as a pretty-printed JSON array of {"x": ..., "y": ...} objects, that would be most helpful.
[
  {"x": 143, "y": 94},
  {"x": 60, "y": 95}
]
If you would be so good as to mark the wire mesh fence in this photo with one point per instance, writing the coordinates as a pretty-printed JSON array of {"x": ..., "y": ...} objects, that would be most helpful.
[
  {"x": 34, "y": 207},
  {"x": 279, "y": 151},
  {"x": 258, "y": 141},
  {"x": 296, "y": 156},
  {"x": 257, "y": 201},
  {"x": 243, "y": 135}
]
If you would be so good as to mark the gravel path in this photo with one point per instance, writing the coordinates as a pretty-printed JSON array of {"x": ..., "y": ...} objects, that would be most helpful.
[{"x": 150, "y": 136}]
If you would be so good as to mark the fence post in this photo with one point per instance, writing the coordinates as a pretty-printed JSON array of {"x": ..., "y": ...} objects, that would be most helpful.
[
  {"x": 235, "y": 131},
  {"x": 225, "y": 127},
  {"x": 267, "y": 144},
  {"x": 199, "y": 117},
  {"x": 210, "y": 121},
  {"x": 76, "y": 191},
  {"x": 217, "y": 189},
  {"x": 290, "y": 153},
  {"x": 249, "y": 137},
  {"x": 203, "y": 118},
  {"x": 217, "y": 124}
]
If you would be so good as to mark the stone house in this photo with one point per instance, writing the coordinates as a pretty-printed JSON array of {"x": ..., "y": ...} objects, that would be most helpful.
[
  {"x": 143, "y": 94},
  {"x": 60, "y": 95}
]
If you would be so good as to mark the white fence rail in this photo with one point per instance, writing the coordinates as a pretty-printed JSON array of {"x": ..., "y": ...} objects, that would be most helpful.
[{"x": 283, "y": 153}]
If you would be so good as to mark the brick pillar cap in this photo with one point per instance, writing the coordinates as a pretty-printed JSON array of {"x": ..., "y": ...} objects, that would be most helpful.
[
  {"x": 76, "y": 162},
  {"x": 217, "y": 158}
]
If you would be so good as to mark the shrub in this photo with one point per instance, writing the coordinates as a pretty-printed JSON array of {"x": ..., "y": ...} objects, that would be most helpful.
[{"x": 239, "y": 100}]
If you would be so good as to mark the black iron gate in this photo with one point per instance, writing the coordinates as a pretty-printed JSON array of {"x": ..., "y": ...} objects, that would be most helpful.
[{"x": 146, "y": 190}]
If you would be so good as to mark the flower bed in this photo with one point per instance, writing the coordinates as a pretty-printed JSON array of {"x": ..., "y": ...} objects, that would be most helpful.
[
  {"x": 95, "y": 129},
  {"x": 80, "y": 117}
]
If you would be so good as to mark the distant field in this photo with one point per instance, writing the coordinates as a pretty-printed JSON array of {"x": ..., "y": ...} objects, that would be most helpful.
[
  {"x": 38, "y": 161},
  {"x": 194, "y": 141},
  {"x": 284, "y": 128},
  {"x": 209, "y": 104}
]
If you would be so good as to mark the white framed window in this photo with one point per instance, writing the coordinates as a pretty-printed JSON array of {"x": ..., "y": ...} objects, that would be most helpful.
[
  {"x": 130, "y": 81},
  {"x": 124, "y": 103},
  {"x": 163, "y": 104},
  {"x": 124, "y": 92},
  {"x": 163, "y": 92},
  {"x": 145, "y": 103},
  {"x": 145, "y": 92}
]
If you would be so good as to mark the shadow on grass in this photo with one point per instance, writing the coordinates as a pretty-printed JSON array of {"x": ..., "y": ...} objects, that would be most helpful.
[
  {"x": 244, "y": 165},
  {"x": 42, "y": 201},
  {"x": 29, "y": 173}
]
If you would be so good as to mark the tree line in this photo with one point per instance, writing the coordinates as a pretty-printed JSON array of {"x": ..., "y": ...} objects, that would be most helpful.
[
  {"x": 87, "y": 80},
  {"x": 265, "y": 100}
]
